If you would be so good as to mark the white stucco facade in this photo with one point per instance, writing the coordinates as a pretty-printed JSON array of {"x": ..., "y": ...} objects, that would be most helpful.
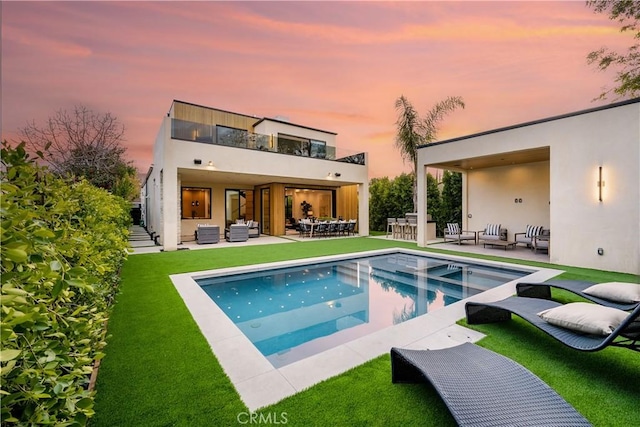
[{"x": 546, "y": 173}]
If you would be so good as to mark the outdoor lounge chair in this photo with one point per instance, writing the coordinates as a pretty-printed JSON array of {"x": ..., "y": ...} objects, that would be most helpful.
[
  {"x": 491, "y": 233},
  {"x": 483, "y": 388},
  {"x": 543, "y": 290},
  {"x": 526, "y": 238},
  {"x": 254, "y": 228},
  {"x": 237, "y": 233},
  {"x": 454, "y": 233},
  {"x": 626, "y": 335},
  {"x": 541, "y": 241}
]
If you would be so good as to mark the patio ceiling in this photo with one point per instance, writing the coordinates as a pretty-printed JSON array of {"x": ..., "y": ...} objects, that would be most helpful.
[
  {"x": 495, "y": 160},
  {"x": 227, "y": 178}
]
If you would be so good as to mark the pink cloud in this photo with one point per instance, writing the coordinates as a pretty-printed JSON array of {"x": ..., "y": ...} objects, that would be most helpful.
[{"x": 511, "y": 62}]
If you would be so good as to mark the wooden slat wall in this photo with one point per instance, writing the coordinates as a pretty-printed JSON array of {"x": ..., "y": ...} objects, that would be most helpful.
[
  {"x": 197, "y": 114},
  {"x": 277, "y": 209},
  {"x": 347, "y": 202}
]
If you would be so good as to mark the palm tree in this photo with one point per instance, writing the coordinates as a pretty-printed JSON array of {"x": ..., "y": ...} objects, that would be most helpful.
[{"x": 413, "y": 131}]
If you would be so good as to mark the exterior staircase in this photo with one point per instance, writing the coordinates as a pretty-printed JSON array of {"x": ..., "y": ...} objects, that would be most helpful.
[{"x": 139, "y": 238}]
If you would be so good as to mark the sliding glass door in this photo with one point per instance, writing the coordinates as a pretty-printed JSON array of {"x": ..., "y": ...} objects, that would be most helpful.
[{"x": 238, "y": 205}]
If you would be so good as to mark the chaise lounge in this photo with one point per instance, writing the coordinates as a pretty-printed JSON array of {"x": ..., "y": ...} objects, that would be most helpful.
[
  {"x": 610, "y": 294},
  {"x": 483, "y": 388},
  {"x": 623, "y": 328}
]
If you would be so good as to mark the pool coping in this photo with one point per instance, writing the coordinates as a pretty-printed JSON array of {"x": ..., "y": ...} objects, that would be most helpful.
[{"x": 260, "y": 384}]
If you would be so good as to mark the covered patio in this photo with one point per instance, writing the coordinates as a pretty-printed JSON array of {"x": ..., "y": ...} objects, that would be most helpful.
[{"x": 576, "y": 175}]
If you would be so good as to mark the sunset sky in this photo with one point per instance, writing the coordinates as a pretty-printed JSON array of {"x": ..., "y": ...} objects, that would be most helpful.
[{"x": 336, "y": 66}]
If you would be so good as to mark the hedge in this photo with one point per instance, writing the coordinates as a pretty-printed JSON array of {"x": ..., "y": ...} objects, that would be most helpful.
[{"x": 62, "y": 245}]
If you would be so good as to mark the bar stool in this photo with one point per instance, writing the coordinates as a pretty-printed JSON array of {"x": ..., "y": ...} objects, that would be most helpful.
[
  {"x": 391, "y": 222},
  {"x": 399, "y": 228},
  {"x": 412, "y": 227}
]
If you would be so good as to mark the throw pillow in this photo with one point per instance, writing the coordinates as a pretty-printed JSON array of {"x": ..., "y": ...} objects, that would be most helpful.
[
  {"x": 493, "y": 229},
  {"x": 615, "y": 291},
  {"x": 585, "y": 317},
  {"x": 533, "y": 230}
]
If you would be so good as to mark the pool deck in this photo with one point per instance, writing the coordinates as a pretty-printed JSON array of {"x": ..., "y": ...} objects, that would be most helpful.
[
  {"x": 260, "y": 384},
  {"x": 519, "y": 252}
]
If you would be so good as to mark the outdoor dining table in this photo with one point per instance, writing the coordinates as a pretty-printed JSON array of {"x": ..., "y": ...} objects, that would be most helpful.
[{"x": 315, "y": 224}]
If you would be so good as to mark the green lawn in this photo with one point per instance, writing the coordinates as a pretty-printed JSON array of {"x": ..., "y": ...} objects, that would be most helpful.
[{"x": 159, "y": 370}]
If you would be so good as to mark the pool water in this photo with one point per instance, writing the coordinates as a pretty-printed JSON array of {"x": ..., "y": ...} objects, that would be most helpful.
[{"x": 294, "y": 312}]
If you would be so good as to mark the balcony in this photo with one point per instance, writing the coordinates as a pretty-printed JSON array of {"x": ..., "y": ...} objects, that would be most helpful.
[{"x": 221, "y": 135}]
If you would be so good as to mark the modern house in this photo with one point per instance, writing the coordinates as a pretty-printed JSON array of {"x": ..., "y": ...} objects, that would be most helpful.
[
  {"x": 577, "y": 174},
  {"x": 214, "y": 167}
]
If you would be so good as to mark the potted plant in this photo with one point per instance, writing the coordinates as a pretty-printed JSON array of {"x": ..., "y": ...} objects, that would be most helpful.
[{"x": 306, "y": 208}]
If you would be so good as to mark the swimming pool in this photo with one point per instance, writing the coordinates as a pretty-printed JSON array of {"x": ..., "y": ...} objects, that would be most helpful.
[
  {"x": 259, "y": 383},
  {"x": 291, "y": 313}
]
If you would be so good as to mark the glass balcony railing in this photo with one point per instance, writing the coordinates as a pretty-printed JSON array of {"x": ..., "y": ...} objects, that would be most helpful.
[{"x": 221, "y": 135}]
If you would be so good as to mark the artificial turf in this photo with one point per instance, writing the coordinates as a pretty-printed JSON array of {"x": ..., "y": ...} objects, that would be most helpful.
[{"x": 160, "y": 371}]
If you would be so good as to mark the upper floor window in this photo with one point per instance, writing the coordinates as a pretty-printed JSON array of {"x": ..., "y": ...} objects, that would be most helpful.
[
  {"x": 290, "y": 144},
  {"x": 231, "y": 136},
  {"x": 318, "y": 149}
]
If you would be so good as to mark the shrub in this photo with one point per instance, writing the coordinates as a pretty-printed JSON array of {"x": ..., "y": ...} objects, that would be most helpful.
[{"x": 62, "y": 245}]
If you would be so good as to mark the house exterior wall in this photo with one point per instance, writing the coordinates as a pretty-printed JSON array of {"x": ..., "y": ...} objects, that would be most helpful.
[
  {"x": 580, "y": 223},
  {"x": 174, "y": 168},
  {"x": 561, "y": 193}
]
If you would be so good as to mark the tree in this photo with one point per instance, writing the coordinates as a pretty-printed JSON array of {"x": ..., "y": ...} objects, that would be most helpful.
[
  {"x": 413, "y": 131},
  {"x": 389, "y": 199},
  {"x": 451, "y": 197},
  {"x": 85, "y": 144},
  {"x": 379, "y": 189},
  {"x": 627, "y": 13},
  {"x": 434, "y": 201}
]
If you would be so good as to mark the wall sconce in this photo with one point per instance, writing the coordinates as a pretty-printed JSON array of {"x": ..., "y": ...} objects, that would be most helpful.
[
  {"x": 337, "y": 174},
  {"x": 600, "y": 183},
  {"x": 197, "y": 161}
]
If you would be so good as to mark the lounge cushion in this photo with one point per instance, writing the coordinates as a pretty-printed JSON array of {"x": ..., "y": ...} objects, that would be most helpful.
[
  {"x": 533, "y": 230},
  {"x": 492, "y": 230},
  {"x": 615, "y": 291},
  {"x": 453, "y": 228},
  {"x": 585, "y": 317}
]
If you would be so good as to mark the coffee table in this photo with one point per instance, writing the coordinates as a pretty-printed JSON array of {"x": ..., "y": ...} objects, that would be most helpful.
[{"x": 503, "y": 243}]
